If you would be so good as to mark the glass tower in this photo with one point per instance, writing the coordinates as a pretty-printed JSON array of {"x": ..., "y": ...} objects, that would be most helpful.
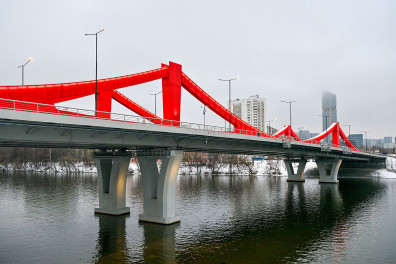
[{"x": 329, "y": 109}]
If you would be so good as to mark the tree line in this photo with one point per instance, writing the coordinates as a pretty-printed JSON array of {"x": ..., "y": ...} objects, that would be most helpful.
[{"x": 194, "y": 162}]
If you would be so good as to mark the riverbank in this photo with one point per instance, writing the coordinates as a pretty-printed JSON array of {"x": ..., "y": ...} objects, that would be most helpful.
[{"x": 264, "y": 167}]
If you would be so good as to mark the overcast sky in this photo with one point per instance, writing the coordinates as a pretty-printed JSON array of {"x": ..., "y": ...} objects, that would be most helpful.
[{"x": 281, "y": 50}]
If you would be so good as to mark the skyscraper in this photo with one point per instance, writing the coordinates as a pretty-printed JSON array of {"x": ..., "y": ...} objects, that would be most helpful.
[
  {"x": 329, "y": 109},
  {"x": 356, "y": 140},
  {"x": 252, "y": 110}
]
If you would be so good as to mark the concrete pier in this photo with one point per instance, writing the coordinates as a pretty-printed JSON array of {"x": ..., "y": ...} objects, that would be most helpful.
[
  {"x": 112, "y": 172},
  {"x": 159, "y": 185},
  {"x": 291, "y": 174},
  {"x": 333, "y": 166}
]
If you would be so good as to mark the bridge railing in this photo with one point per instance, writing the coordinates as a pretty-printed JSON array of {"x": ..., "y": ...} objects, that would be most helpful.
[{"x": 92, "y": 114}]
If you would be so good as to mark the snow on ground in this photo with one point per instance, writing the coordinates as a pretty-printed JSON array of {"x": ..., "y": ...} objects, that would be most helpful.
[
  {"x": 263, "y": 167},
  {"x": 78, "y": 167},
  {"x": 390, "y": 171}
]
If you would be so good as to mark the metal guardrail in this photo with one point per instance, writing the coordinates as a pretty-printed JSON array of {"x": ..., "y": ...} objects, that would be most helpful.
[
  {"x": 92, "y": 114},
  {"x": 85, "y": 113},
  {"x": 286, "y": 143},
  {"x": 346, "y": 150},
  {"x": 324, "y": 146}
]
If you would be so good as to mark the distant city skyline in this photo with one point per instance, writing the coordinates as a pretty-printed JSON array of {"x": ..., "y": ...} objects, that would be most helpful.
[{"x": 282, "y": 51}]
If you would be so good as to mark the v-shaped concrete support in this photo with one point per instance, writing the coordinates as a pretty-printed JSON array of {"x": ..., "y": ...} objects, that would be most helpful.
[
  {"x": 112, "y": 184},
  {"x": 291, "y": 174},
  {"x": 323, "y": 165},
  {"x": 159, "y": 187}
]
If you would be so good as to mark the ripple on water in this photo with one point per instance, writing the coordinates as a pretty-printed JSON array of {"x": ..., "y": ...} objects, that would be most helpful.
[{"x": 239, "y": 219}]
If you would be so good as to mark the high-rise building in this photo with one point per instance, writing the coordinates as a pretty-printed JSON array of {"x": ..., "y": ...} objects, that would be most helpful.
[
  {"x": 305, "y": 134},
  {"x": 387, "y": 140},
  {"x": 329, "y": 109},
  {"x": 252, "y": 110},
  {"x": 271, "y": 130},
  {"x": 356, "y": 140}
]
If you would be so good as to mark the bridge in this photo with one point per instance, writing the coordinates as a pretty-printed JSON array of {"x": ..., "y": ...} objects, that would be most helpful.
[{"x": 29, "y": 117}]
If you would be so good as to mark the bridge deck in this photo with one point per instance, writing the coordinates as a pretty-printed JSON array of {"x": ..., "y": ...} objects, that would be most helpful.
[{"x": 21, "y": 128}]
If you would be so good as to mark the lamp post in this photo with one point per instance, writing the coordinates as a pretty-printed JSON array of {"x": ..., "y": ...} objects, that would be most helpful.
[
  {"x": 365, "y": 135},
  {"x": 290, "y": 103},
  {"x": 96, "y": 68},
  {"x": 204, "y": 113},
  {"x": 229, "y": 98},
  {"x": 155, "y": 101},
  {"x": 269, "y": 125},
  {"x": 23, "y": 70},
  {"x": 327, "y": 138},
  {"x": 349, "y": 130}
]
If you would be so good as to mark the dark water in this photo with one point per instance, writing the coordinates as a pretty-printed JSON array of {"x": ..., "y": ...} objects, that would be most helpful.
[{"x": 259, "y": 219}]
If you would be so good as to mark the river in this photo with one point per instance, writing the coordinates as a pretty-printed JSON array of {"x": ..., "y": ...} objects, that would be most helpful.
[{"x": 49, "y": 218}]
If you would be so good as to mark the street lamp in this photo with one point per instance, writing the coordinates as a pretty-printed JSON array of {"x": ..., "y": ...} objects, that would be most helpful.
[
  {"x": 290, "y": 103},
  {"x": 96, "y": 69},
  {"x": 229, "y": 98},
  {"x": 349, "y": 132},
  {"x": 269, "y": 125},
  {"x": 365, "y": 135},
  {"x": 23, "y": 69},
  {"x": 327, "y": 138},
  {"x": 204, "y": 112},
  {"x": 155, "y": 101}
]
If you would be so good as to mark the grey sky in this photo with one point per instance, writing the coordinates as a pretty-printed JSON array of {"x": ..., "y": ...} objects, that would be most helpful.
[{"x": 290, "y": 50}]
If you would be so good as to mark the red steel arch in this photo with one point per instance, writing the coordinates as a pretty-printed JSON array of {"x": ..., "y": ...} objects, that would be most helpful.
[{"x": 173, "y": 78}]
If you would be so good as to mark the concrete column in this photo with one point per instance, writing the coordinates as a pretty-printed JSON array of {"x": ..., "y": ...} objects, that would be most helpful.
[
  {"x": 112, "y": 184},
  {"x": 159, "y": 186},
  {"x": 333, "y": 166},
  {"x": 291, "y": 174}
]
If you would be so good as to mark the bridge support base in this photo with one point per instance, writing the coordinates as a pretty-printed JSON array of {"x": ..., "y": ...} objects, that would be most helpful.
[
  {"x": 292, "y": 176},
  {"x": 334, "y": 166},
  {"x": 112, "y": 184},
  {"x": 159, "y": 186}
]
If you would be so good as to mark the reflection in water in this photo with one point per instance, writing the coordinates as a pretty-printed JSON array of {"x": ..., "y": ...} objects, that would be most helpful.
[
  {"x": 295, "y": 196},
  {"x": 330, "y": 197},
  {"x": 236, "y": 219},
  {"x": 272, "y": 224},
  {"x": 112, "y": 243},
  {"x": 159, "y": 242}
]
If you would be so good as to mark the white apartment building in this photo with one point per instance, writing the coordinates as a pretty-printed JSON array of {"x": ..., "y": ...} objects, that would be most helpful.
[{"x": 252, "y": 110}]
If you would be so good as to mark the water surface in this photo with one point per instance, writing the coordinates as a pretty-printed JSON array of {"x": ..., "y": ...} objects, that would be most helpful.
[{"x": 49, "y": 218}]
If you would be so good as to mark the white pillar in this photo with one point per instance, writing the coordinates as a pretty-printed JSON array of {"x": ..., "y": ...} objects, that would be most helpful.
[
  {"x": 291, "y": 174},
  {"x": 159, "y": 187},
  {"x": 112, "y": 184},
  {"x": 335, "y": 166}
]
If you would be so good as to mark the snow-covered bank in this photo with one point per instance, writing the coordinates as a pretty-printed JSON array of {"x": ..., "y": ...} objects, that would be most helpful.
[
  {"x": 78, "y": 167},
  {"x": 264, "y": 167},
  {"x": 390, "y": 171}
]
